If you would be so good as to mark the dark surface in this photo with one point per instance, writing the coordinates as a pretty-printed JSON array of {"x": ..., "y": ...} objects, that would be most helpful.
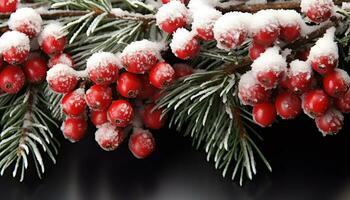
[{"x": 305, "y": 166}]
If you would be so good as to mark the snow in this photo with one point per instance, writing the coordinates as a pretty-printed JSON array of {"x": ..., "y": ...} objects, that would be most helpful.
[
  {"x": 307, "y": 4},
  {"x": 53, "y": 29},
  {"x": 144, "y": 47},
  {"x": 61, "y": 58},
  {"x": 264, "y": 20},
  {"x": 100, "y": 60},
  {"x": 248, "y": 80},
  {"x": 120, "y": 13},
  {"x": 325, "y": 46},
  {"x": 205, "y": 18},
  {"x": 109, "y": 136},
  {"x": 195, "y": 5},
  {"x": 298, "y": 67},
  {"x": 15, "y": 39},
  {"x": 345, "y": 6},
  {"x": 171, "y": 11},
  {"x": 26, "y": 16},
  {"x": 60, "y": 70},
  {"x": 270, "y": 60},
  {"x": 181, "y": 38},
  {"x": 291, "y": 18},
  {"x": 250, "y": 90}
]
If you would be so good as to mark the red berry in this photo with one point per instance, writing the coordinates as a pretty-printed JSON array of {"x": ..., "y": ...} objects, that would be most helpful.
[
  {"x": 255, "y": 50},
  {"x": 331, "y": 122},
  {"x": 336, "y": 83},
  {"x": 319, "y": 13},
  {"x": 269, "y": 79},
  {"x": 205, "y": 34},
  {"x": 232, "y": 39},
  {"x": 12, "y": 79},
  {"x": 161, "y": 75},
  {"x": 300, "y": 76},
  {"x": 264, "y": 114},
  {"x": 184, "y": 45},
  {"x": 172, "y": 16},
  {"x": 61, "y": 59},
  {"x": 109, "y": 137},
  {"x": 141, "y": 143},
  {"x": 290, "y": 33},
  {"x": 153, "y": 120},
  {"x": 35, "y": 69},
  {"x": 102, "y": 68},
  {"x": 98, "y": 117},
  {"x": 62, "y": 78},
  {"x": 288, "y": 105},
  {"x": 120, "y": 113},
  {"x": 182, "y": 70},
  {"x": 303, "y": 54},
  {"x": 98, "y": 97},
  {"x": 315, "y": 103},
  {"x": 324, "y": 64},
  {"x": 14, "y": 47},
  {"x": 7, "y": 6},
  {"x": 140, "y": 56},
  {"x": 343, "y": 103},
  {"x": 73, "y": 103},
  {"x": 250, "y": 92},
  {"x": 27, "y": 21},
  {"x": 129, "y": 85},
  {"x": 147, "y": 90},
  {"x": 74, "y": 128},
  {"x": 266, "y": 37},
  {"x": 51, "y": 45}
]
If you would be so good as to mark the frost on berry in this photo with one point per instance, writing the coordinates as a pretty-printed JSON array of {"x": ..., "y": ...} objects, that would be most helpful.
[
  {"x": 51, "y": 39},
  {"x": 161, "y": 75},
  {"x": 231, "y": 29},
  {"x": 7, "y": 6},
  {"x": 317, "y": 10},
  {"x": 62, "y": 78},
  {"x": 14, "y": 46},
  {"x": 184, "y": 45},
  {"x": 74, "y": 103},
  {"x": 140, "y": 56},
  {"x": 172, "y": 16},
  {"x": 331, "y": 122},
  {"x": 250, "y": 92},
  {"x": 102, "y": 68},
  {"x": 324, "y": 54},
  {"x": 141, "y": 143},
  {"x": 336, "y": 83},
  {"x": 120, "y": 113},
  {"x": 269, "y": 67},
  {"x": 343, "y": 103},
  {"x": 27, "y": 21},
  {"x": 109, "y": 137},
  {"x": 292, "y": 25},
  {"x": 203, "y": 22},
  {"x": 265, "y": 27},
  {"x": 60, "y": 59},
  {"x": 300, "y": 74}
]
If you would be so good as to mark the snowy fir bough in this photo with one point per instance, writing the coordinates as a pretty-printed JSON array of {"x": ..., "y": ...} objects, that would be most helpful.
[{"x": 214, "y": 49}]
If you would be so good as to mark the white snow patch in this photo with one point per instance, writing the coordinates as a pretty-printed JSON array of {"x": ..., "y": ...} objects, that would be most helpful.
[
  {"x": 171, "y": 11},
  {"x": 100, "y": 59},
  {"x": 181, "y": 38},
  {"x": 26, "y": 16},
  {"x": 15, "y": 39},
  {"x": 325, "y": 46},
  {"x": 53, "y": 29},
  {"x": 270, "y": 60}
]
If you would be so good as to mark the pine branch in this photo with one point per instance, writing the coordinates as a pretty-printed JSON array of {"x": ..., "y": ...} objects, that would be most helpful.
[{"x": 26, "y": 128}]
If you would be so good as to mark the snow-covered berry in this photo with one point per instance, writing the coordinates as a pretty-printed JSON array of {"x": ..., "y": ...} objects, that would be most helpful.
[
  {"x": 291, "y": 25},
  {"x": 255, "y": 50},
  {"x": 102, "y": 68},
  {"x": 184, "y": 45},
  {"x": 141, "y": 143},
  {"x": 300, "y": 76},
  {"x": 203, "y": 22},
  {"x": 62, "y": 78},
  {"x": 12, "y": 79},
  {"x": 336, "y": 83},
  {"x": 250, "y": 92},
  {"x": 62, "y": 58},
  {"x": 269, "y": 68},
  {"x": 343, "y": 103},
  {"x": 265, "y": 27},
  {"x": 161, "y": 75},
  {"x": 264, "y": 114},
  {"x": 74, "y": 129},
  {"x": 331, "y": 122},
  {"x": 35, "y": 69},
  {"x": 27, "y": 21},
  {"x": 172, "y": 16},
  {"x": 14, "y": 47},
  {"x": 73, "y": 103},
  {"x": 51, "y": 40},
  {"x": 7, "y": 6},
  {"x": 140, "y": 56},
  {"x": 317, "y": 10},
  {"x": 231, "y": 30},
  {"x": 98, "y": 97},
  {"x": 109, "y": 137},
  {"x": 120, "y": 113},
  {"x": 315, "y": 103}
]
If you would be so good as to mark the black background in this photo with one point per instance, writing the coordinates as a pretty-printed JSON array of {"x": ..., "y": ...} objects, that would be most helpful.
[{"x": 305, "y": 164}]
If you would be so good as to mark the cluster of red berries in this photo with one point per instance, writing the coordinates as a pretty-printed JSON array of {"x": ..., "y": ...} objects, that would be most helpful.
[
  {"x": 315, "y": 86},
  {"x": 21, "y": 59},
  {"x": 232, "y": 29},
  {"x": 136, "y": 75}
]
